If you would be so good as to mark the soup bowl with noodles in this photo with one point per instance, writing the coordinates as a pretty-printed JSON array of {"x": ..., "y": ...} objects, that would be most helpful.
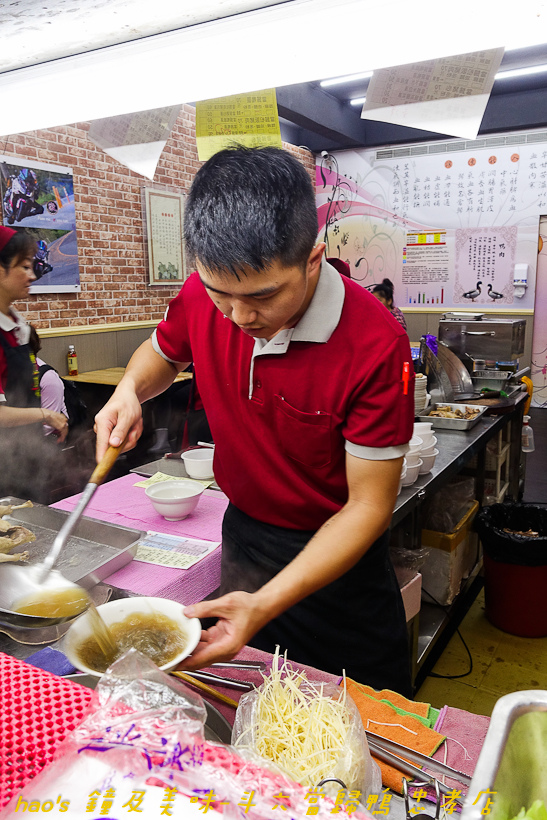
[{"x": 155, "y": 626}]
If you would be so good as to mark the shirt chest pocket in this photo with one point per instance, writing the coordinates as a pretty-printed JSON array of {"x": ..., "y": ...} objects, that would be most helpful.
[{"x": 304, "y": 437}]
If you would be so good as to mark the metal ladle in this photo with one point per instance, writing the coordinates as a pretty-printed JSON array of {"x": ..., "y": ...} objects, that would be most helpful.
[{"x": 18, "y": 582}]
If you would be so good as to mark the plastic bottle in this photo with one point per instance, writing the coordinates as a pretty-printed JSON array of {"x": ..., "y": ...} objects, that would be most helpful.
[
  {"x": 527, "y": 436},
  {"x": 72, "y": 361}
]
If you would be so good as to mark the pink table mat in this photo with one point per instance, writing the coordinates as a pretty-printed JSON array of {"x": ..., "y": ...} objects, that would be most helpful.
[{"x": 120, "y": 502}]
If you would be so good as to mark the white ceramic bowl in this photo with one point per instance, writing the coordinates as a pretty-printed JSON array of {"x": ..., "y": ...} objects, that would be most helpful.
[
  {"x": 427, "y": 441},
  {"x": 428, "y": 462},
  {"x": 199, "y": 463},
  {"x": 412, "y": 474},
  {"x": 426, "y": 451},
  {"x": 415, "y": 444},
  {"x": 422, "y": 427},
  {"x": 116, "y": 611},
  {"x": 175, "y": 499}
]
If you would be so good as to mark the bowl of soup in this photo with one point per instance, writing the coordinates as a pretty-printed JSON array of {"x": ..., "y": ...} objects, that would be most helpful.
[{"x": 155, "y": 626}]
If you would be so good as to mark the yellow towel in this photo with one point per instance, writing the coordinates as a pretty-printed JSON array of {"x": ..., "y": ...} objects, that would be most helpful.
[{"x": 382, "y": 719}]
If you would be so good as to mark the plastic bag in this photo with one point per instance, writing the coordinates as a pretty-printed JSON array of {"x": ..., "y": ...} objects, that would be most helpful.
[
  {"x": 354, "y": 765},
  {"x": 510, "y": 547},
  {"x": 408, "y": 558},
  {"x": 446, "y": 508},
  {"x": 141, "y": 748}
]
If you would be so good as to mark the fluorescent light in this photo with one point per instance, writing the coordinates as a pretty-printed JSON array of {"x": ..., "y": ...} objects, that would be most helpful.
[
  {"x": 160, "y": 70},
  {"x": 357, "y": 101},
  {"x": 521, "y": 72},
  {"x": 349, "y": 78}
]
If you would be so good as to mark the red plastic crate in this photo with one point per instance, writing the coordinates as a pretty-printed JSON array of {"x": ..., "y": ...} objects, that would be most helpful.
[{"x": 37, "y": 711}]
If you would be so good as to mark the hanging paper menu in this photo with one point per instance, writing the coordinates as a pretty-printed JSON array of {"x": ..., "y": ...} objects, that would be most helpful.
[{"x": 242, "y": 119}]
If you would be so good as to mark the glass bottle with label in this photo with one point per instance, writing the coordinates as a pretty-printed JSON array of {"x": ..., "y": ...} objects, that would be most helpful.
[{"x": 72, "y": 361}]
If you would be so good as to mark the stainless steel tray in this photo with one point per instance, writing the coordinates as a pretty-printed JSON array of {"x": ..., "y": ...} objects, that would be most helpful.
[
  {"x": 169, "y": 466},
  {"x": 452, "y": 424},
  {"x": 94, "y": 551}
]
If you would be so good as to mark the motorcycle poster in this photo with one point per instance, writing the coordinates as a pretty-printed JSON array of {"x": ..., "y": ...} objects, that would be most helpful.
[{"x": 38, "y": 198}]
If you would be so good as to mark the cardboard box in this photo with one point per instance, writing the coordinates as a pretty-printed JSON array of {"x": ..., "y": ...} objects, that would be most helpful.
[{"x": 451, "y": 559}]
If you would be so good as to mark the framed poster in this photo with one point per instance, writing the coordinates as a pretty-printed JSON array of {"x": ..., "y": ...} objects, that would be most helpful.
[
  {"x": 164, "y": 211},
  {"x": 38, "y": 198}
]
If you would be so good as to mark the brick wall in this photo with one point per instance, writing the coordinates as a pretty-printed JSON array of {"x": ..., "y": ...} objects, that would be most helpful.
[{"x": 109, "y": 224}]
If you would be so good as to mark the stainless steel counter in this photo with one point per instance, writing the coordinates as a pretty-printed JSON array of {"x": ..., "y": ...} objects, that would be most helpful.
[{"x": 456, "y": 449}]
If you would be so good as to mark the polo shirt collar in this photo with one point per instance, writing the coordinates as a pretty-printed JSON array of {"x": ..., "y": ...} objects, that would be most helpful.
[
  {"x": 320, "y": 319},
  {"x": 323, "y": 314},
  {"x": 14, "y": 321}
]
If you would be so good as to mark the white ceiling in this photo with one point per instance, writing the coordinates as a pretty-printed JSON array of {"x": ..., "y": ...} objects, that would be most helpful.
[{"x": 34, "y": 31}]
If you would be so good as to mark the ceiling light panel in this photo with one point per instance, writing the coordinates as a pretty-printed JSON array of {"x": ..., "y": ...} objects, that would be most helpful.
[{"x": 238, "y": 54}]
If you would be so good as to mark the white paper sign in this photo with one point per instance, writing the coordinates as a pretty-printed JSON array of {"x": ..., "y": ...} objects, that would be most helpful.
[{"x": 448, "y": 95}]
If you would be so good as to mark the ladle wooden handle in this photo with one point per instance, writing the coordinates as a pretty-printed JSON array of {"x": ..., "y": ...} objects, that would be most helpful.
[{"x": 105, "y": 464}]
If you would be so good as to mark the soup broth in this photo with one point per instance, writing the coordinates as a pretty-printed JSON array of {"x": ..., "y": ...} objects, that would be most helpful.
[
  {"x": 53, "y": 603},
  {"x": 153, "y": 634}
]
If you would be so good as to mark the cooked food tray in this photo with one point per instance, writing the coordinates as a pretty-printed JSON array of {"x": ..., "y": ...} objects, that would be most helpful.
[
  {"x": 453, "y": 424},
  {"x": 94, "y": 551}
]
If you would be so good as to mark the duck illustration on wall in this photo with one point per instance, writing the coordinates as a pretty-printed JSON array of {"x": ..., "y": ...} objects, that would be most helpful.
[
  {"x": 493, "y": 294},
  {"x": 473, "y": 294}
]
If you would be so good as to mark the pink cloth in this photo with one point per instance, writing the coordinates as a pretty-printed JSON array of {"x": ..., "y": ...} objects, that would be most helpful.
[
  {"x": 465, "y": 734},
  {"x": 120, "y": 502}
]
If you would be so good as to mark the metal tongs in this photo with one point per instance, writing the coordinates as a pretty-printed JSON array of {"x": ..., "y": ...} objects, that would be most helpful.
[{"x": 391, "y": 752}]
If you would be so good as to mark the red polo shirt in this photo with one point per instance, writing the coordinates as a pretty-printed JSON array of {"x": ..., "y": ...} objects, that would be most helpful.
[{"x": 284, "y": 412}]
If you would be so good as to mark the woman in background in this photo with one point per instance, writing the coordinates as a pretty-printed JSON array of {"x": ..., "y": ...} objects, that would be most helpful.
[
  {"x": 25, "y": 452},
  {"x": 384, "y": 293}
]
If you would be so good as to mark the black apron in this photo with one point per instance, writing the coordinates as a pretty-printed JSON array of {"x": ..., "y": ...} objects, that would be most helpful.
[
  {"x": 22, "y": 387},
  {"x": 356, "y": 623},
  {"x": 27, "y": 458}
]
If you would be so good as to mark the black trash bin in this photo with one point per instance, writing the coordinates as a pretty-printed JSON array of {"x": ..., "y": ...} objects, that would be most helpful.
[{"x": 515, "y": 567}]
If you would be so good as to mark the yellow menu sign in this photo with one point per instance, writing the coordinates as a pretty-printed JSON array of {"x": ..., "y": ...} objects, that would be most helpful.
[{"x": 245, "y": 119}]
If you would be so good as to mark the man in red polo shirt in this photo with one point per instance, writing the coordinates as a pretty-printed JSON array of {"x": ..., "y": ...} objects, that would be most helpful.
[{"x": 301, "y": 375}]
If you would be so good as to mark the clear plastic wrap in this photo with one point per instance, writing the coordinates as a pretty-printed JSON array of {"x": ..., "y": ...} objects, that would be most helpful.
[
  {"x": 284, "y": 736},
  {"x": 446, "y": 508},
  {"x": 141, "y": 748}
]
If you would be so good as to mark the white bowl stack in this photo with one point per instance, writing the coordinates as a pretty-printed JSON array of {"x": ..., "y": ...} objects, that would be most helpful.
[
  {"x": 428, "y": 452},
  {"x": 420, "y": 393}
]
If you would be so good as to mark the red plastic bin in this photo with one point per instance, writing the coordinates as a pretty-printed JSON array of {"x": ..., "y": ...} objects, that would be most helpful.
[{"x": 515, "y": 598}]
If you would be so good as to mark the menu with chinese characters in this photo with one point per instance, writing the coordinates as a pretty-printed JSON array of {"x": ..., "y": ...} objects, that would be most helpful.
[
  {"x": 447, "y": 95},
  {"x": 446, "y": 224},
  {"x": 164, "y": 224},
  {"x": 245, "y": 119},
  {"x": 172, "y": 550}
]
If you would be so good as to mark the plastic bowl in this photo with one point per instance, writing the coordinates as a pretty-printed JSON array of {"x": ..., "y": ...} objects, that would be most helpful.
[
  {"x": 412, "y": 474},
  {"x": 415, "y": 444},
  {"x": 199, "y": 463},
  {"x": 422, "y": 427},
  {"x": 428, "y": 462},
  {"x": 175, "y": 499},
  {"x": 412, "y": 459},
  {"x": 426, "y": 451},
  {"x": 427, "y": 441},
  {"x": 116, "y": 611}
]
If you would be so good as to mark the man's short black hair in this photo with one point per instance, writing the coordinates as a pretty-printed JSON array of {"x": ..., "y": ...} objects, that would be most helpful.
[{"x": 250, "y": 207}]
